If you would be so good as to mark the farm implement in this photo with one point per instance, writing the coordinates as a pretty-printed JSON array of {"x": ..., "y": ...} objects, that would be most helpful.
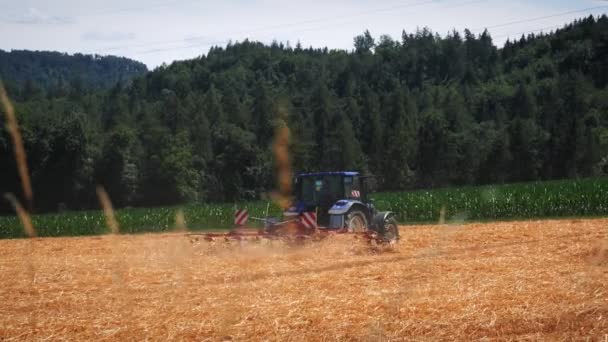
[{"x": 326, "y": 204}]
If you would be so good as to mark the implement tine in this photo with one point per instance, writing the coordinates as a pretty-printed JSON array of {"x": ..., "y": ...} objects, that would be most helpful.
[{"x": 289, "y": 235}]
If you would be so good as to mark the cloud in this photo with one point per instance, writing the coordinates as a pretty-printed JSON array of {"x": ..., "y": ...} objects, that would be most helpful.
[
  {"x": 34, "y": 16},
  {"x": 108, "y": 36}
]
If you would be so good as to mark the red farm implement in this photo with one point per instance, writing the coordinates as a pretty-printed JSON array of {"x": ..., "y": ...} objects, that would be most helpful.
[{"x": 326, "y": 204}]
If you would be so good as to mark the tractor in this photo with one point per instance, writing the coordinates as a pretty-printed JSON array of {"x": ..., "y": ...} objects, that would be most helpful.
[
  {"x": 325, "y": 203},
  {"x": 341, "y": 203}
]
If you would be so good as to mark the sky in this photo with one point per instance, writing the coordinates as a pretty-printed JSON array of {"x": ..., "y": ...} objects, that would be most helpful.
[{"x": 162, "y": 31}]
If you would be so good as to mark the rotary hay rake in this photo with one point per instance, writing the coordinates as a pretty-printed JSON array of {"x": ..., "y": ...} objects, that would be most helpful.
[{"x": 292, "y": 231}]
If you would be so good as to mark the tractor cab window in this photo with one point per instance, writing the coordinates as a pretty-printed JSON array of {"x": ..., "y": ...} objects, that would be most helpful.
[
  {"x": 308, "y": 190},
  {"x": 314, "y": 190},
  {"x": 318, "y": 185},
  {"x": 352, "y": 187}
]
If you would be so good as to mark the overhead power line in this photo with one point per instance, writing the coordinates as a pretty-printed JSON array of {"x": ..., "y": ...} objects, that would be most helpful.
[
  {"x": 554, "y": 27},
  {"x": 350, "y": 21},
  {"x": 540, "y": 18},
  {"x": 14, "y": 12},
  {"x": 285, "y": 25},
  {"x": 269, "y": 27},
  {"x": 350, "y": 17},
  {"x": 149, "y": 5},
  {"x": 202, "y": 44}
]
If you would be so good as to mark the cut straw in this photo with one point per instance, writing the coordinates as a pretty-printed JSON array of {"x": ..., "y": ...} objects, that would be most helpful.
[{"x": 489, "y": 282}]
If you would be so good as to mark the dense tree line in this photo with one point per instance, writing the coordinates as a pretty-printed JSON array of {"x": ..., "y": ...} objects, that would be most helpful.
[
  {"x": 420, "y": 111},
  {"x": 31, "y": 74}
]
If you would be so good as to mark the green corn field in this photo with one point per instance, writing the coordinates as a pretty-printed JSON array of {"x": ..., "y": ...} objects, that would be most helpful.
[
  {"x": 586, "y": 197},
  {"x": 571, "y": 198}
]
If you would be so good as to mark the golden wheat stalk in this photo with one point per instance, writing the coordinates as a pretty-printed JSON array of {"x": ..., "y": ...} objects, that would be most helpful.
[
  {"x": 20, "y": 157},
  {"x": 24, "y": 217},
  {"x": 108, "y": 210},
  {"x": 283, "y": 167},
  {"x": 180, "y": 221}
]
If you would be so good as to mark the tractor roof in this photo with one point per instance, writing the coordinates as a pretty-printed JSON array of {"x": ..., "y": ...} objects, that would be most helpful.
[{"x": 333, "y": 173}]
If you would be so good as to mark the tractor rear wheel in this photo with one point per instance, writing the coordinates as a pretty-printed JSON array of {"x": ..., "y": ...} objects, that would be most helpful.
[
  {"x": 356, "y": 222},
  {"x": 390, "y": 232}
]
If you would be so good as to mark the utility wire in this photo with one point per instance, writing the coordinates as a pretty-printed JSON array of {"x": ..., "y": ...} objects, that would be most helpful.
[
  {"x": 536, "y": 30},
  {"x": 352, "y": 16},
  {"x": 277, "y": 26},
  {"x": 528, "y": 32},
  {"x": 355, "y": 15},
  {"x": 540, "y": 18},
  {"x": 202, "y": 44},
  {"x": 496, "y": 37},
  {"x": 131, "y": 9},
  {"x": 99, "y": 12},
  {"x": 350, "y": 21}
]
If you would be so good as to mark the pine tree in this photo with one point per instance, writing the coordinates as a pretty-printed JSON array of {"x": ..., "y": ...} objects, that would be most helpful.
[
  {"x": 432, "y": 148},
  {"x": 364, "y": 43},
  {"x": 495, "y": 167},
  {"x": 456, "y": 112},
  {"x": 526, "y": 140},
  {"x": 233, "y": 108},
  {"x": 118, "y": 167},
  {"x": 372, "y": 133},
  {"x": 400, "y": 145},
  {"x": 322, "y": 114},
  {"x": 262, "y": 114},
  {"x": 213, "y": 107},
  {"x": 343, "y": 149},
  {"x": 524, "y": 103}
]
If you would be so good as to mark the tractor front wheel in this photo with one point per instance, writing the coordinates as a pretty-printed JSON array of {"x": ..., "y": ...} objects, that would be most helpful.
[{"x": 356, "y": 222}]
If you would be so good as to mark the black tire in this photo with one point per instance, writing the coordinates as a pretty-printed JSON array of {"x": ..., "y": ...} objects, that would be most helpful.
[
  {"x": 356, "y": 222},
  {"x": 390, "y": 231}
]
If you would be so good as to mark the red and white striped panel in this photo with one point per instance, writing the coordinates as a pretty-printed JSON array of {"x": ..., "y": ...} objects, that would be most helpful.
[
  {"x": 309, "y": 219},
  {"x": 241, "y": 217},
  {"x": 355, "y": 193}
]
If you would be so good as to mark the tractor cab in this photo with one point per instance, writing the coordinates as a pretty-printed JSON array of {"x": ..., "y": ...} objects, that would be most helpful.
[
  {"x": 333, "y": 196},
  {"x": 324, "y": 189}
]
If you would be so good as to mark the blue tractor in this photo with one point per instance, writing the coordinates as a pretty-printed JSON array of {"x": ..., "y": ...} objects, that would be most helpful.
[{"x": 341, "y": 202}]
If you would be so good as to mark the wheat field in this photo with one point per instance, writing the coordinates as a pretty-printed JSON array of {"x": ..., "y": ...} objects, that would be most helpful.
[{"x": 532, "y": 280}]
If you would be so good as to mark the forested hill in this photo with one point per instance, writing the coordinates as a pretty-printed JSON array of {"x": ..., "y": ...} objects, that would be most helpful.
[
  {"x": 417, "y": 111},
  {"x": 30, "y": 73}
]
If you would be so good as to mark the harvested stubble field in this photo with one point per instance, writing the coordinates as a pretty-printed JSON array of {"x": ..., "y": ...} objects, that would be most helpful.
[{"x": 510, "y": 280}]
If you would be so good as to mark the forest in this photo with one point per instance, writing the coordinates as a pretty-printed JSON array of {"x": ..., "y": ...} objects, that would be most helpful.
[
  {"x": 419, "y": 111},
  {"x": 28, "y": 74}
]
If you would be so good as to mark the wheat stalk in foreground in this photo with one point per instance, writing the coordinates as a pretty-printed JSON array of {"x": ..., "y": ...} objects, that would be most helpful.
[
  {"x": 282, "y": 163},
  {"x": 24, "y": 217},
  {"x": 108, "y": 210},
  {"x": 180, "y": 221},
  {"x": 20, "y": 157}
]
